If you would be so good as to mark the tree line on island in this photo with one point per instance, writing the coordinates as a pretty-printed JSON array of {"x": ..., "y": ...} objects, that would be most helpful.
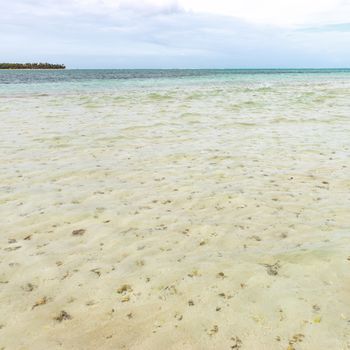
[{"x": 31, "y": 66}]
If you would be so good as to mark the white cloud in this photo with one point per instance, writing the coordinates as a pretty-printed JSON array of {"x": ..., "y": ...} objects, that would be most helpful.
[
  {"x": 276, "y": 12},
  {"x": 141, "y": 7},
  {"x": 177, "y": 33},
  {"x": 287, "y": 13},
  {"x": 281, "y": 13}
]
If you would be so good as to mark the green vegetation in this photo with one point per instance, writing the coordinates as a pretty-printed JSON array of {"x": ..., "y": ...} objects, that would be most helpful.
[{"x": 31, "y": 66}]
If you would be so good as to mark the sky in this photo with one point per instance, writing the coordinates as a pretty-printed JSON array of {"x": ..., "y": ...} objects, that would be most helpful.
[{"x": 177, "y": 33}]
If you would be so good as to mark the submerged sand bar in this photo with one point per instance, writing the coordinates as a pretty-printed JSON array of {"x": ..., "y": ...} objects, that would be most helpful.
[{"x": 184, "y": 215}]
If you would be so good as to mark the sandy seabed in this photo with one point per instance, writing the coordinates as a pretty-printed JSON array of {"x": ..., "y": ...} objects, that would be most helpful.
[{"x": 191, "y": 217}]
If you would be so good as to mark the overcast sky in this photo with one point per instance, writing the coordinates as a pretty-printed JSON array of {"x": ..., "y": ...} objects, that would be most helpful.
[{"x": 177, "y": 33}]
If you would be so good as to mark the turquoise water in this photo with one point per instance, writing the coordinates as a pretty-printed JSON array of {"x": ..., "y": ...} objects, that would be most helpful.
[{"x": 41, "y": 81}]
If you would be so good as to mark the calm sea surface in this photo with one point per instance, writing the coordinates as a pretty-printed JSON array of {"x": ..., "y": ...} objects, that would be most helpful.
[{"x": 99, "y": 79}]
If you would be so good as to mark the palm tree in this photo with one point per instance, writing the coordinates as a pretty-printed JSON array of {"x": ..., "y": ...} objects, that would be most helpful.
[{"x": 31, "y": 66}]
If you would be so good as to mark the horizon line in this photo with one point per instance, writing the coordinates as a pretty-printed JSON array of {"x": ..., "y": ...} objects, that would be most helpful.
[{"x": 216, "y": 68}]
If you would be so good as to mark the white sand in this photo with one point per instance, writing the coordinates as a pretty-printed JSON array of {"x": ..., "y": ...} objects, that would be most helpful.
[{"x": 228, "y": 233}]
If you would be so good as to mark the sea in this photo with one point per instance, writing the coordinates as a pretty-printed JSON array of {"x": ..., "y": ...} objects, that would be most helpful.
[{"x": 178, "y": 209}]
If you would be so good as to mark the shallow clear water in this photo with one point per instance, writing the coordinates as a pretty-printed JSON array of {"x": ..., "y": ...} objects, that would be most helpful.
[
  {"x": 100, "y": 79},
  {"x": 221, "y": 197}
]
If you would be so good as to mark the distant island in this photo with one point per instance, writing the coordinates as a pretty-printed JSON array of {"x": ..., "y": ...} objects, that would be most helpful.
[{"x": 31, "y": 66}]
